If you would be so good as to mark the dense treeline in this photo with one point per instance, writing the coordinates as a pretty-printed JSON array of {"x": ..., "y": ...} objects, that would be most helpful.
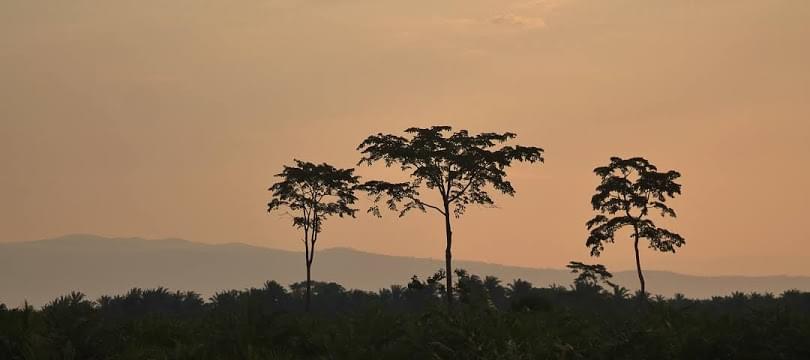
[{"x": 491, "y": 321}]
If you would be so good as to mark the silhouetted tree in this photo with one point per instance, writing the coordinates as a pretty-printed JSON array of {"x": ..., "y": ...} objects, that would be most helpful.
[
  {"x": 518, "y": 288},
  {"x": 496, "y": 291},
  {"x": 71, "y": 318},
  {"x": 630, "y": 189},
  {"x": 459, "y": 167},
  {"x": 471, "y": 290},
  {"x": 314, "y": 193},
  {"x": 590, "y": 276},
  {"x": 421, "y": 293}
]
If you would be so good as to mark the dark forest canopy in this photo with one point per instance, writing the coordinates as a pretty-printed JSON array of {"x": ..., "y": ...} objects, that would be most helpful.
[{"x": 492, "y": 320}]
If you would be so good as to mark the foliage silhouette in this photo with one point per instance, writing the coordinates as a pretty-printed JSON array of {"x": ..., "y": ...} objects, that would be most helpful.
[
  {"x": 589, "y": 277},
  {"x": 314, "y": 193},
  {"x": 407, "y": 322},
  {"x": 457, "y": 165},
  {"x": 629, "y": 190}
]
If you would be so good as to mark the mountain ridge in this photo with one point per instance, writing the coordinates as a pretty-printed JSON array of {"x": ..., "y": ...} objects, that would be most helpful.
[{"x": 45, "y": 269}]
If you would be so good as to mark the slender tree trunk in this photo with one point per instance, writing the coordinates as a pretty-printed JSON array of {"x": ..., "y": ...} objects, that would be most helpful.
[
  {"x": 308, "y": 300},
  {"x": 448, "y": 256},
  {"x": 638, "y": 263},
  {"x": 308, "y": 252}
]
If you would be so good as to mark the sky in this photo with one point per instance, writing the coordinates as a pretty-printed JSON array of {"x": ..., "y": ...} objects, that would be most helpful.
[{"x": 166, "y": 119}]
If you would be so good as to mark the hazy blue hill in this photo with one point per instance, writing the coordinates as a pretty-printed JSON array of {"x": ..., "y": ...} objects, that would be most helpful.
[
  {"x": 92, "y": 243},
  {"x": 41, "y": 270}
]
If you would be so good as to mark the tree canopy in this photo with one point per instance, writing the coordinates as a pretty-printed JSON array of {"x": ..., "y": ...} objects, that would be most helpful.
[
  {"x": 629, "y": 191},
  {"x": 459, "y": 166},
  {"x": 314, "y": 192},
  {"x": 589, "y": 275}
]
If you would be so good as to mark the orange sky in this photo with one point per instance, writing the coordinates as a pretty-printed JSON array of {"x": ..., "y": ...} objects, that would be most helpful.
[{"x": 169, "y": 118}]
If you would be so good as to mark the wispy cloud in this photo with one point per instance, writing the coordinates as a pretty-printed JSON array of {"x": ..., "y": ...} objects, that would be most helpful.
[
  {"x": 515, "y": 15},
  {"x": 537, "y": 4},
  {"x": 525, "y": 22}
]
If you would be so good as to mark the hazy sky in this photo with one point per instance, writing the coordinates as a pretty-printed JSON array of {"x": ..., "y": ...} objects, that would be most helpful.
[{"x": 169, "y": 118}]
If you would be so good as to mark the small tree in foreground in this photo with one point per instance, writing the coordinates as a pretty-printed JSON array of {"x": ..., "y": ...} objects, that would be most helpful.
[
  {"x": 589, "y": 277},
  {"x": 458, "y": 166},
  {"x": 630, "y": 190},
  {"x": 313, "y": 193}
]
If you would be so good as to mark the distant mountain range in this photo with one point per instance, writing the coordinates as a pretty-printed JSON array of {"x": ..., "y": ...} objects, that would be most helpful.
[{"x": 39, "y": 271}]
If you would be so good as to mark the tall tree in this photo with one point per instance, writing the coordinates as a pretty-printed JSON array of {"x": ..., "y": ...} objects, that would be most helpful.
[
  {"x": 456, "y": 165},
  {"x": 313, "y": 193},
  {"x": 629, "y": 191}
]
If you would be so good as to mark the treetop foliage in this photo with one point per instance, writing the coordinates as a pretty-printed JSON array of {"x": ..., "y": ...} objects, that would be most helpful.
[
  {"x": 457, "y": 164},
  {"x": 314, "y": 192},
  {"x": 630, "y": 189},
  {"x": 589, "y": 275}
]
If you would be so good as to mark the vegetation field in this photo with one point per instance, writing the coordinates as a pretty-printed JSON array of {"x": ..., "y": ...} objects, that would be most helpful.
[{"x": 490, "y": 320}]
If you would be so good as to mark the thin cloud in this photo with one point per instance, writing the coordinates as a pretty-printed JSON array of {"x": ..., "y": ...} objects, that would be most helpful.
[
  {"x": 535, "y": 4},
  {"x": 518, "y": 21}
]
